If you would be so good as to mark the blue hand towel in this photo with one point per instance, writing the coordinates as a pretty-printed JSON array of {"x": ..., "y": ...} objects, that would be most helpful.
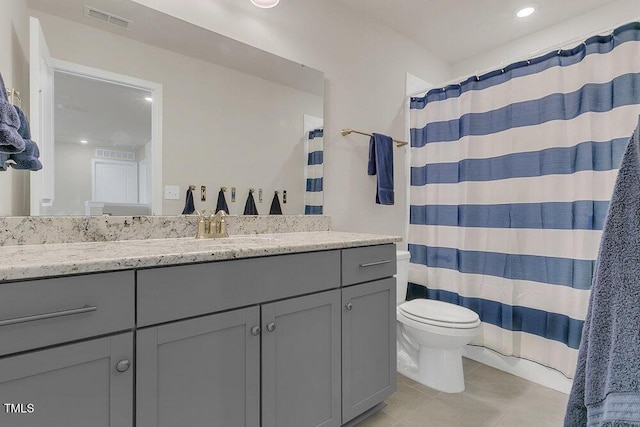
[
  {"x": 10, "y": 141},
  {"x": 381, "y": 164},
  {"x": 3, "y": 162},
  {"x": 28, "y": 158},
  {"x": 606, "y": 387},
  {"x": 250, "y": 206},
  {"x": 189, "y": 205},
  {"x": 275, "y": 205},
  {"x": 222, "y": 203}
]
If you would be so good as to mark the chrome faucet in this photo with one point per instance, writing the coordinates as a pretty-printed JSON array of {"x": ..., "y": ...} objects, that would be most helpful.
[{"x": 215, "y": 227}]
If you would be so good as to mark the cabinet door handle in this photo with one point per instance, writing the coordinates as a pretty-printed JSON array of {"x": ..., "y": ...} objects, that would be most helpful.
[
  {"x": 371, "y": 264},
  {"x": 123, "y": 365},
  {"x": 85, "y": 309},
  {"x": 255, "y": 330},
  {"x": 349, "y": 306},
  {"x": 271, "y": 327}
]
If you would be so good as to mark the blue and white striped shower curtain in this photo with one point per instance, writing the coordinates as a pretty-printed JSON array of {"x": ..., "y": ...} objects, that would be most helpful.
[
  {"x": 511, "y": 176},
  {"x": 313, "y": 196}
]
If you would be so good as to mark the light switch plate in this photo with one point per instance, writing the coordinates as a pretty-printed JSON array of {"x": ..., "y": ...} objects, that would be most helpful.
[{"x": 172, "y": 192}]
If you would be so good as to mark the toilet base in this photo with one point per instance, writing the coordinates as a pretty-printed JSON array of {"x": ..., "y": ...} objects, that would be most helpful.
[{"x": 440, "y": 369}]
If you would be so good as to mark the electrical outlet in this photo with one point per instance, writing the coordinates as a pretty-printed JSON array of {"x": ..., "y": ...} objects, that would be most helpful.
[{"x": 172, "y": 192}]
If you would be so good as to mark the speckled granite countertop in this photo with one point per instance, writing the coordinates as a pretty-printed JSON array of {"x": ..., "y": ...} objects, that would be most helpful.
[{"x": 32, "y": 261}]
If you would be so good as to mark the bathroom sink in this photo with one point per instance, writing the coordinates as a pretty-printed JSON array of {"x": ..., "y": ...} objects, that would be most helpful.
[
  {"x": 224, "y": 242},
  {"x": 249, "y": 238},
  {"x": 190, "y": 244}
]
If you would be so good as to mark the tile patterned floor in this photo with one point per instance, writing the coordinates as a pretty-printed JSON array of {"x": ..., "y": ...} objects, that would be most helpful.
[{"x": 492, "y": 398}]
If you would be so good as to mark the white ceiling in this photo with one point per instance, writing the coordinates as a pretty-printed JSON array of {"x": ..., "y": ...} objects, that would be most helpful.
[
  {"x": 453, "y": 30},
  {"x": 456, "y": 30},
  {"x": 157, "y": 29},
  {"x": 103, "y": 113}
]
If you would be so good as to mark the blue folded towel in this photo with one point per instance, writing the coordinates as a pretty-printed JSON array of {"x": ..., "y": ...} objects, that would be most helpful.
[
  {"x": 3, "y": 161},
  {"x": 381, "y": 164},
  {"x": 189, "y": 205},
  {"x": 10, "y": 141},
  {"x": 28, "y": 158},
  {"x": 275, "y": 205},
  {"x": 606, "y": 387},
  {"x": 250, "y": 207},
  {"x": 222, "y": 203}
]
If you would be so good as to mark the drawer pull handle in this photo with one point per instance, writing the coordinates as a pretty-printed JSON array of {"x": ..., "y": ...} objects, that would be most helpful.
[
  {"x": 271, "y": 327},
  {"x": 85, "y": 309},
  {"x": 371, "y": 264}
]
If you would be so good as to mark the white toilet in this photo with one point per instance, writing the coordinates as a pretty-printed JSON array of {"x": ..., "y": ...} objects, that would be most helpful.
[{"x": 431, "y": 335}]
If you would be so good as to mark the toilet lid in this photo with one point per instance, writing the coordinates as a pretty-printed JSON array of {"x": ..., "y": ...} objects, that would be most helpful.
[{"x": 439, "y": 312}]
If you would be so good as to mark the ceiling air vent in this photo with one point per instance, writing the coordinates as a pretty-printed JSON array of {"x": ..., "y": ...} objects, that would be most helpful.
[
  {"x": 107, "y": 17},
  {"x": 115, "y": 155}
]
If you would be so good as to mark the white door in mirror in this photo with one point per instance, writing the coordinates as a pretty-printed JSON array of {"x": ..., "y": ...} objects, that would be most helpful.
[
  {"x": 114, "y": 181},
  {"x": 42, "y": 102}
]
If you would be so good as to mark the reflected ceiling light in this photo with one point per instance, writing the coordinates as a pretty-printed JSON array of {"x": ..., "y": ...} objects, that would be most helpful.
[
  {"x": 265, "y": 4},
  {"x": 148, "y": 98},
  {"x": 525, "y": 11},
  {"x": 84, "y": 141}
]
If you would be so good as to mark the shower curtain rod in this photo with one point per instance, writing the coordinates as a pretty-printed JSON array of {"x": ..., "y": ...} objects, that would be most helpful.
[
  {"x": 535, "y": 54},
  {"x": 346, "y": 132}
]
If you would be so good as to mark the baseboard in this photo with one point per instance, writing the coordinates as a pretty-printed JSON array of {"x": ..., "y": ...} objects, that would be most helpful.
[
  {"x": 365, "y": 415},
  {"x": 522, "y": 368}
]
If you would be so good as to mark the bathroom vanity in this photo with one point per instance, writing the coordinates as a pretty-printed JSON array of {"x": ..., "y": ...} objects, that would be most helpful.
[{"x": 290, "y": 329}]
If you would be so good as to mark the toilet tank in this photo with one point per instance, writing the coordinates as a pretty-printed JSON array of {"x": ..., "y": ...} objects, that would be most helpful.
[{"x": 402, "y": 277}]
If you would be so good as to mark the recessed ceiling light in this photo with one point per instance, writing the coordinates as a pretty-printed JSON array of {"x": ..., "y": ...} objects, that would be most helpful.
[
  {"x": 525, "y": 11},
  {"x": 265, "y": 4},
  {"x": 84, "y": 141},
  {"x": 148, "y": 98}
]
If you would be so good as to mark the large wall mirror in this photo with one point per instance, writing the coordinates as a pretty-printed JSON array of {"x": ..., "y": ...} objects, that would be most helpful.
[{"x": 136, "y": 91}]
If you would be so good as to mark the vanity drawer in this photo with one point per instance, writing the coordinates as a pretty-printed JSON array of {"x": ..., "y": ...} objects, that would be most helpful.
[
  {"x": 368, "y": 263},
  {"x": 177, "y": 292},
  {"x": 39, "y": 313}
]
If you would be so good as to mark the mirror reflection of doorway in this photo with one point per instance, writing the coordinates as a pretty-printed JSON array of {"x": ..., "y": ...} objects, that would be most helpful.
[{"x": 104, "y": 125}]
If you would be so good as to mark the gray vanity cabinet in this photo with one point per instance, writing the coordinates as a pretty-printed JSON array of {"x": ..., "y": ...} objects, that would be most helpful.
[
  {"x": 200, "y": 372},
  {"x": 274, "y": 363},
  {"x": 70, "y": 385},
  {"x": 301, "y": 361},
  {"x": 368, "y": 346},
  {"x": 296, "y": 340},
  {"x": 67, "y": 351},
  {"x": 207, "y": 371}
]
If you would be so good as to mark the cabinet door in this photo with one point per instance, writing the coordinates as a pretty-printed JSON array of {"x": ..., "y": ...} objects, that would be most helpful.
[
  {"x": 200, "y": 372},
  {"x": 368, "y": 346},
  {"x": 301, "y": 361},
  {"x": 71, "y": 385}
]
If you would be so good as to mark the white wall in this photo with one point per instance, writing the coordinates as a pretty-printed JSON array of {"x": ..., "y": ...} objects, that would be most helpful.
[
  {"x": 220, "y": 127},
  {"x": 554, "y": 37},
  {"x": 364, "y": 65},
  {"x": 72, "y": 179},
  {"x": 14, "y": 52}
]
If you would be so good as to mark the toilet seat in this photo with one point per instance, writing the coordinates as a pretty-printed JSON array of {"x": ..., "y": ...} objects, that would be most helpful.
[{"x": 439, "y": 313}]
